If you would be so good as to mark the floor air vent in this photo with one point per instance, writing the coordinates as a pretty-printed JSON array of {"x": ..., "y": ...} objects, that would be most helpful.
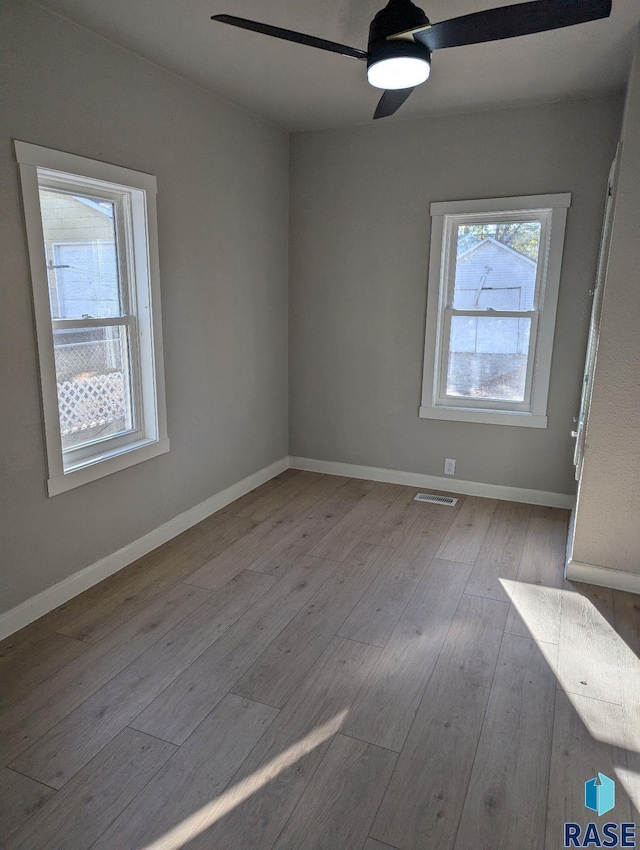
[{"x": 436, "y": 500}]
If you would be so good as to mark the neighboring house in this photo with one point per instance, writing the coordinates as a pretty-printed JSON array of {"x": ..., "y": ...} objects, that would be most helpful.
[
  {"x": 82, "y": 273},
  {"x": 491, "y": 274}
]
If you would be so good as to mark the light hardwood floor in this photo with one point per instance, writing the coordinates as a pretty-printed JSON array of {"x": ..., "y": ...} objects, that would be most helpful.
[{"x": 325, "y": 665}]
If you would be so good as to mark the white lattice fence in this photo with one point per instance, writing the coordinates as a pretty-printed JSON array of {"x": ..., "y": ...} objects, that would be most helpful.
[{"x": 89, "y": 401}]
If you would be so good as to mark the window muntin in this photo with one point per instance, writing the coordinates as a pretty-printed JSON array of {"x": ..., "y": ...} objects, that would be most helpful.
[
  {"x": 92, "y": 240},
  {"x": 490, "y": 317}
]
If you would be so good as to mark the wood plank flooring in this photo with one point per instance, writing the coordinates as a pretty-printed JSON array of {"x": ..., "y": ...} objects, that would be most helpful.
[{"x": 325, "y": 664}]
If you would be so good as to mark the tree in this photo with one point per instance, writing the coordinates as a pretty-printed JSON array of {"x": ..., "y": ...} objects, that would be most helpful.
[{"x": 522, "y": 236}]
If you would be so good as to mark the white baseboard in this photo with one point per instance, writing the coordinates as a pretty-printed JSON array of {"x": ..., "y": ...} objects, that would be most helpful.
[
  {"x": 602, "y": 576},
  {"x": 434, "y": 482},
  {"x": 60, "y": 593},
  {"x": 40, "y": 604}
]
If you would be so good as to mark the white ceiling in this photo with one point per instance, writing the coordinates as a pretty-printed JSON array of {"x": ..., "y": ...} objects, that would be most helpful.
[{"x": 301, "y": 88}]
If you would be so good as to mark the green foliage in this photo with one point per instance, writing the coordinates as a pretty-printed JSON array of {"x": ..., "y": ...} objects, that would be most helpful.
[{"x": 522, "y": 236}]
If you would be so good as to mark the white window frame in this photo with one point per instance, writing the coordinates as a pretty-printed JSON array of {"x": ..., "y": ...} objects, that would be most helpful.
[
  {"x": 139, "y": 261},
  {"x": 551, "y": 210}
]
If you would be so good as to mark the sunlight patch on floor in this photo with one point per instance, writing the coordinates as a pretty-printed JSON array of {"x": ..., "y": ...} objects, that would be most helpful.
[
  {"x": 206, "y": 816},
  {"x": 630, "y": 781},
  {"x": 538, "y": 608},
  {"x": 589, "y": 657}
]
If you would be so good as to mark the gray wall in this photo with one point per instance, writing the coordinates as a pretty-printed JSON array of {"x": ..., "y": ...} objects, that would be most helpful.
[
  {"x": 223, "y": 226},
  {"x": 359, "y": 250},
  {"x": 607, "y": 520}
]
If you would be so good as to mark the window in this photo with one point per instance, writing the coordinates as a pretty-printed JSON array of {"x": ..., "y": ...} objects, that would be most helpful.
[
  {"x": 493, "y": 290},
  {"x": 92, "y": 236}
]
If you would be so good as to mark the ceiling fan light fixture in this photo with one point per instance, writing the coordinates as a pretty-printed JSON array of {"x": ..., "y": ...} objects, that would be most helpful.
[
  {"x": 400, "y": 72},
  {"x": 401, "y": 38},
  {"x": 398, "y": 65}
]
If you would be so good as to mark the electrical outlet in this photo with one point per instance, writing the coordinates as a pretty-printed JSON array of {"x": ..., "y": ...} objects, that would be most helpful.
[{"x": 449, "y": 466}]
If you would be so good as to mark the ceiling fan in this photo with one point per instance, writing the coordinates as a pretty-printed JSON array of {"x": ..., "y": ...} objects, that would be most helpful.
[{"x": 401, "y": 38}]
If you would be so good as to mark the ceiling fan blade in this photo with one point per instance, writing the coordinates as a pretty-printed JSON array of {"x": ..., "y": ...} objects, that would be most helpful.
[
  {"x": 290, "y": 35},
  {"x": 391, "y": 101},
  {"x": 510, "y": 21}
]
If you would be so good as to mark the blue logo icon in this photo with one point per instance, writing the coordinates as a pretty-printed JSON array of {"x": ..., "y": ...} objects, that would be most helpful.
[
  {"x": 600, "y": 797},
  {"x": 600, "y": 794}
]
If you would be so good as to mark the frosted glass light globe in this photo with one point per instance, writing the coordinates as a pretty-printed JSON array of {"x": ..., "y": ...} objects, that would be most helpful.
[{"x": 398, "y": 72}]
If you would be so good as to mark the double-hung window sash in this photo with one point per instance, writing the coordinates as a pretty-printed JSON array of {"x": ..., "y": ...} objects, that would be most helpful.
[
  {"x": 93, "y": 314},
  {"x": 93, "y": 249},
  {"x": 486, "y": 316}
]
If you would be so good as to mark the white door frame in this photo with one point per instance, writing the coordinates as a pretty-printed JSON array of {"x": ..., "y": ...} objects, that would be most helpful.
[{"x": 596, "y": 314}]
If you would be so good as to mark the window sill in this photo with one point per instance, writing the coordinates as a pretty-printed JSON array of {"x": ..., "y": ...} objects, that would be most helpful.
[
  {"x": 105, "y": 464},
  {"x": 485, "y": 417}
]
